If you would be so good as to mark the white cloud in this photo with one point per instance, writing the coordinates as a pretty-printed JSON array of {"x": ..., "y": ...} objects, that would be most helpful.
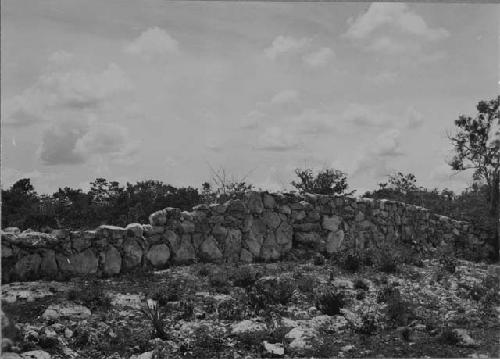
[
  {"x": 154, "y": 42},
  {"x": 285, "y": 96},
  {"x": 71, "y": 142},
  {"x": 319, "y": 58},
  {"x": 58, "y": 145},
  {"x": 285, "y": 44},
  {"x": 414, "y": 118},
  {"x": 395, "y": 16},
  {"x": 74, "y": 89},
  {"x": 60, "y": 57},
  {"x": 365, "y": 116},
  {"x": 375, "y": 158},
  {"x": 383, "y": 78},
  {"x": 394, "y": 29},
  {"x": 277, "y": 139}
]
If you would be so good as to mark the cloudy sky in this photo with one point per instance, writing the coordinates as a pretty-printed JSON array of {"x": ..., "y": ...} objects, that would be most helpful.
[{"x": 131, "y": 90}]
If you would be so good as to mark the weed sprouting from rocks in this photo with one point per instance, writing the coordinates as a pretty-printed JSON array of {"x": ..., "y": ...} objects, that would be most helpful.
[{"x": 153, "y": 312}]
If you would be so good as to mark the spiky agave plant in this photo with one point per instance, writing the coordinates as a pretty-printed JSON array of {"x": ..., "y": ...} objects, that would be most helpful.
[{"x": 153, "y": 312}]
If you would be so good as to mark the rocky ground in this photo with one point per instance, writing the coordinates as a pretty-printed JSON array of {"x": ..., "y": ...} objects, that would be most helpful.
[{"x": 314, "y": 308}]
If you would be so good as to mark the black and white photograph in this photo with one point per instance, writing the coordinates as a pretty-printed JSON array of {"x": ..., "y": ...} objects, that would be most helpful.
[{"x": 250, "y": 179}]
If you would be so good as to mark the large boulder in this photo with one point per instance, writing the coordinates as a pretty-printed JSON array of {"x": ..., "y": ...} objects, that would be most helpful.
[
  {"x": 132, "y": 253},
  {"x": 112, "y": 261},
  {"x": 254, "y": 202},
  {"x": 271, "y": 219},
  {"x": 209, "y": 251},
  {"x": 331, "y": 223},
  {"x": 158, "y": 255},
  {"x": 48, "y": 266},
  {"x": 84, "y": 263},
  {"x": 28, "y": 267},
  {"x": 185, "y": 253},
  {"x": 134, "y": 230},
  {"x": 232, "y": 245},
  {"x": 309, "y": 239},
  {"x": 334, "y": 241}
]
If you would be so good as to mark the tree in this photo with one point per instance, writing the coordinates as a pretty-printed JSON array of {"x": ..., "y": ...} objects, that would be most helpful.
[
  {"x": 473, "y": 150},
  {"x": 327, "y": 182},
  {"x": 18, "y": 202}
]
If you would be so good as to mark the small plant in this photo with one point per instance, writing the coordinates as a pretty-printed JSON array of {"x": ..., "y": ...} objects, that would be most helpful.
[
  {"x": 204, "y": 270},
  {"x": 218, "y": 279},
  {"x": 207, "y": 339},
  {"x": 91, "y": 295},
  {"x": 448, "y": 263},
  {"x": 406, "y": 334},
  {"x": 449, "y": 336},
  {"x": 231, "y": 310},
  {"x": 152, "y": 311},
  {"x": 244, "y": 277},
  {"x": 186, "y": 309},
  {"x": 360, "y": 284},
  {"x": 351, "y": 262},
  {"x": 163, "y": 295},
  {"x": 399, "y": 311},
  {"x": 306, "y": 283},
  {"x": 387, "y": 263},
  {"x": 388, "y": 293},
  {"x": 330, "y": 302},
  {"x": 319, "y": 259},
  {"x": 271, "y": 291},
  {"x": 368, "y": 325}
]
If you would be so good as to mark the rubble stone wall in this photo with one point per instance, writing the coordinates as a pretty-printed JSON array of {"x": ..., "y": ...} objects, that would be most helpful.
[{"x": 261, "y": 227}]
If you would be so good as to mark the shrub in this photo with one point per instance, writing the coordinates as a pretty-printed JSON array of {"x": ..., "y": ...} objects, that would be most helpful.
[
  {"x": 46, "y": 342},
  {"x": 319, "y": 259},
  {"x": 244, "y": 277},
  {"x": 306, "y": 283},
  {"x": 387, "y": 263},
  {"x": 163, "y": 295},
  {"x": 360, "y": 284},
  {"x": 186, "y": 309},
  {"x": 351, "y": 262},
  {"x": 207, "y": 339},
  {"x": 91, "y": 295},
  {"x": 449, "y": 336},
  {"x": 271, "y": 291},
  {"x": 330, "y": 302},
  {"x": 152, "y": 311},
  {"x": 368, "y": 325},
  {"x": 388, "y": 293},
  {"x": 231, "y": 310},
  {"x": 218, "y": 279},
  {"x": 399, "y": 311},
  {"x": 204, "y": 270},
  {"x": 406, "y": 334},
  {"x": 448, "y": 263}
]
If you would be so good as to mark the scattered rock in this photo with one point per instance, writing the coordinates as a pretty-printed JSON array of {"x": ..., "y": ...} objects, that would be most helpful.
[
  {"x": 465, "y": 339},
  {"x": 275, "y": 350},
  {"x": 36, "y": 354},
  {"x": 66, "y": 310},
  {"x": 247, "y": 326}
]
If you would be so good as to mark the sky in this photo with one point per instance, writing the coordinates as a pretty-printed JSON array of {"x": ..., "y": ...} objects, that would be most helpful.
[{"x": 130, "y": 90}]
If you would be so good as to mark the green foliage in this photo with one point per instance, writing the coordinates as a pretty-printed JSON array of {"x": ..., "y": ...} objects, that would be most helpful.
[
  {"x": 106, "y": 202},
  {"x": 449, "y": 336},
  {"x": 350, "y": 261},
  {"x": 319, "y": 259},
  {"x": 330, "y": 302},
  {"x": 264, "y": 294},
  {"x": 305, "y": 283},
  {"x": 90, "y": 295},
  {"x": 207, "y": 341},
  {"x": 244, "y": 277},
  {"x": 360, "y": 284},
  {"x": 153, "y": 312},
  {"x": 326, "y": 182}
]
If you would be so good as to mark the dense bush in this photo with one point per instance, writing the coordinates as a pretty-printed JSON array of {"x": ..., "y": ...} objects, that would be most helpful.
[
  {"x": 271, "y": 291},
  {"x": 330, "y": 302},
  {"x": 90, "y": 295},
  {"x": 244, "y": 277}
]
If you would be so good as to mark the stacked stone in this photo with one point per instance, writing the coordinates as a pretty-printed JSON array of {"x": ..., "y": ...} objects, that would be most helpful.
[{"x": 260, "y": 227}]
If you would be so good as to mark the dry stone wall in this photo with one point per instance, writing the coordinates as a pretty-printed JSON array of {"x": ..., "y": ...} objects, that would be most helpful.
[{"x": 260, "y": 227}]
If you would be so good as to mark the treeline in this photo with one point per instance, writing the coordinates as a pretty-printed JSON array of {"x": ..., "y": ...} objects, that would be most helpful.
[{"x": 107, "y": 202}]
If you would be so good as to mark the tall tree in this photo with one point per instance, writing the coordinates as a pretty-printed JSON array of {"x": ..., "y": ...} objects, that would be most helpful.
[{"x": 474, "y": 150}]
